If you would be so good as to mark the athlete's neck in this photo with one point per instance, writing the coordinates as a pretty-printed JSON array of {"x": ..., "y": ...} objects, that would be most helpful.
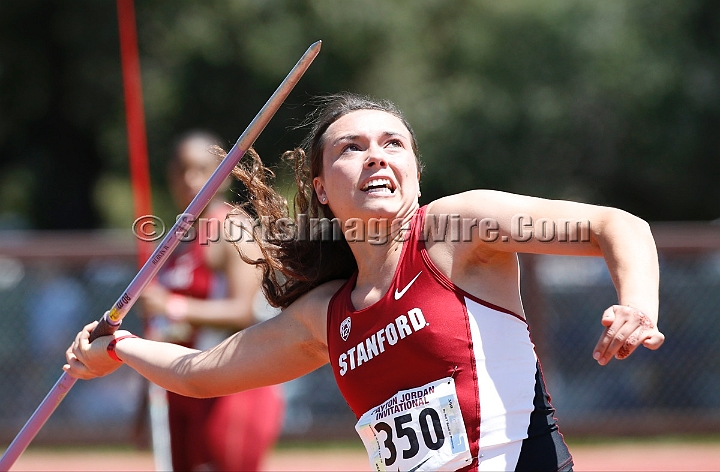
[{"x": 377, "y": 262}]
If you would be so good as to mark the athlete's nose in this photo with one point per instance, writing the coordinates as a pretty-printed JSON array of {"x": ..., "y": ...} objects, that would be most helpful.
[{"x": 375, "y": 157}]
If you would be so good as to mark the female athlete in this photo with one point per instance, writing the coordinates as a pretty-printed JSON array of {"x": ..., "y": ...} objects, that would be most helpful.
[{"x": 417, "y": 309}]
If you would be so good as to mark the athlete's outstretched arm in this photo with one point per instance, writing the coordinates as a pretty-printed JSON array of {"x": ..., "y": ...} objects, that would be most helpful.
[
  {"x": 280, "y": 349},
  {"x": 624, "y": 240}
]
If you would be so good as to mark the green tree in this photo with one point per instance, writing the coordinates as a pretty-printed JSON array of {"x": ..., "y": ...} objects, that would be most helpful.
[{"x": 608, "y": 102}]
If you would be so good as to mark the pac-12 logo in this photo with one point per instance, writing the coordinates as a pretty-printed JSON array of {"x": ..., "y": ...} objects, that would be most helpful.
[{"x": 345, "y": 329}]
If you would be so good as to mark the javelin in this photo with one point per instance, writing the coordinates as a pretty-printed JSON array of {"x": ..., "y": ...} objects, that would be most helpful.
[{"x": 110, "y": 321}]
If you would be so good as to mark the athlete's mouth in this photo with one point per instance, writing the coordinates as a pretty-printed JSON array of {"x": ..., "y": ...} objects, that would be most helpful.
[{"x": 379, "y": 185}]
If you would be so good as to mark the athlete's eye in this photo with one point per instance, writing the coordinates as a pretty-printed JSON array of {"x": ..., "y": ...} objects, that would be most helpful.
[
  {"x": 394, "y": 143},
  {"x": 352, "y": 147}
]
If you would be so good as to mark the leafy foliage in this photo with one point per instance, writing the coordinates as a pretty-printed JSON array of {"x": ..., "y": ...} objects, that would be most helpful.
[{"x": 612, "y": 103}]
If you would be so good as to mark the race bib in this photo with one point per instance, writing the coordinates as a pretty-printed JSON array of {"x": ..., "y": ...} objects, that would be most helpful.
[{"x": 417, "y": 429}]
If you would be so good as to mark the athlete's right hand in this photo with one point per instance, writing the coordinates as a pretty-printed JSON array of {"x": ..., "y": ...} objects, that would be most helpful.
[
  {"x": 86, "y": 360},
  {"x": 626, "y": 328}
]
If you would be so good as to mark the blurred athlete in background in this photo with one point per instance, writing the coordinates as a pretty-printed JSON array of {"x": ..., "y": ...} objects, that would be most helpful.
[{"x": 203, "y": 294}]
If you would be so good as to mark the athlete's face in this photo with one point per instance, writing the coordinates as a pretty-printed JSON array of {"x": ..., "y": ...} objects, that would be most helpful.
[{"x": 369, "y": 167}]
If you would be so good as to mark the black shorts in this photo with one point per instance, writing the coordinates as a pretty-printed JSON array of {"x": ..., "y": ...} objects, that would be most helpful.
[{"x": 547, "y": 452}]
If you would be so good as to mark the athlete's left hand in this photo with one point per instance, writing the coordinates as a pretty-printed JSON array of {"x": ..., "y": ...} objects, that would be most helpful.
[
  {"x": 626, "y": 328},
  {"x": 86, "y": 360}
]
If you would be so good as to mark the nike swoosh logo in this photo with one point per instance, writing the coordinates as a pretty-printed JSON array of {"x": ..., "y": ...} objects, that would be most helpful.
[
  {"x": 399, "y": 294},
  {"x": 420, "y": 464}
]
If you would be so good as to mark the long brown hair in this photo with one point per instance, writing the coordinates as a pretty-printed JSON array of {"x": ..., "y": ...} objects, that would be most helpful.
[{"x": 303, "y": 250}]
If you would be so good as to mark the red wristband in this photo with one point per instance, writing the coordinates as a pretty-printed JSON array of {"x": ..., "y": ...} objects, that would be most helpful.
[{"x": 111, "y": 347}]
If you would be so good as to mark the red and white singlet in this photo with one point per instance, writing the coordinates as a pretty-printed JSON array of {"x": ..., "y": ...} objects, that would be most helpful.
[{"x": 404, "y": 363}]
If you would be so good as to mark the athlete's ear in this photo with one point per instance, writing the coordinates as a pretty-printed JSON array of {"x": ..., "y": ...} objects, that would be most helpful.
[{"x": 320, "y": 190}]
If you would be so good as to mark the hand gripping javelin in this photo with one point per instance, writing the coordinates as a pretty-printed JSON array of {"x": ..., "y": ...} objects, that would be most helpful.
[{"x": 110, "y": 322}]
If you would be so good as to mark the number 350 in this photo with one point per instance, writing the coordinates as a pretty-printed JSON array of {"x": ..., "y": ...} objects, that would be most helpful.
[{"x": 427, "y": 416}]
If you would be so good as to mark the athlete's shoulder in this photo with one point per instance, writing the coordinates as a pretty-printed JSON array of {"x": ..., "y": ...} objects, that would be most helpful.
[
  {"x": 323, "y": 293},
  {"x": 312, "y": 307},
  {"x": 460, "y": 202}
]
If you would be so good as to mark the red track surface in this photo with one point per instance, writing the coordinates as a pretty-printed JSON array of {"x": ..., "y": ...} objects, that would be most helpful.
[{"x": 657, "y": 456}]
